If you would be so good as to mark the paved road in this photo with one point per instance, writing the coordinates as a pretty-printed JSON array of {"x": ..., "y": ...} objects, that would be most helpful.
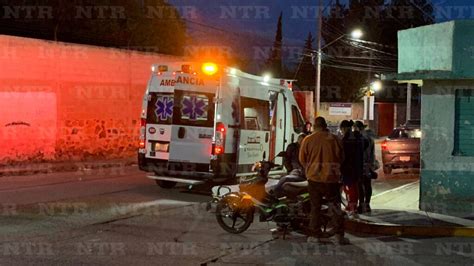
[{"x": 117, "y": 216}]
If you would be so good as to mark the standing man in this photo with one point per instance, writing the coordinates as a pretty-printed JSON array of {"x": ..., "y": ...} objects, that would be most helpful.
[
  {"x": 353, "y": 165},
  {"x": 365, "y": 186},
  {"x": 321, "y": 155}
]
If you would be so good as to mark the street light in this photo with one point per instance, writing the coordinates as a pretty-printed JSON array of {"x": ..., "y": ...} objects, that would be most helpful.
[
  {"x": 355, "y": 34},
  {"x": 376, "y": 85}
]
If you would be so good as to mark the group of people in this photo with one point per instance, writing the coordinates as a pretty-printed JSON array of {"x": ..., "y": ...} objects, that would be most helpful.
[
  {"x": 358, "y": 166},
  {"x": 328, "y": 161}
]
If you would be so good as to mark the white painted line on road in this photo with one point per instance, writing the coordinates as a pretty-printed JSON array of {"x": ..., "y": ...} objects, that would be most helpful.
[
  {"x": 395, "y": 189},
  {"x": 450, "y": 219}
]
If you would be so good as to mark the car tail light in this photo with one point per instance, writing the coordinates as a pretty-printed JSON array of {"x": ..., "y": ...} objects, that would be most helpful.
[
  {"x": 384, "y": 145},
  {"x": 219, "y": 141},
  {"x": 142, "y": 134}
]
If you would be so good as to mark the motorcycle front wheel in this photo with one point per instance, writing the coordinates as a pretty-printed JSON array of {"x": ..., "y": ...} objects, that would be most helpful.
[{"x": 233, "y": 218}]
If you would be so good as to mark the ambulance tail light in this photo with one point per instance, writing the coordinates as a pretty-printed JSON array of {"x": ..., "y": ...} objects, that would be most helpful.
[
  {"x": 384, "y": 146},
  {"x": 218, "y": 150},
  {"x": 142, "y": 134},
  {"x": 142, "y": 144},
  {"x": 218, "y": 147}
]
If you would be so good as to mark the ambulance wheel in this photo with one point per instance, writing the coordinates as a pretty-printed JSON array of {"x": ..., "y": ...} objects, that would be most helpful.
[
  {"x": 387, "y": 170},
  {"x": 165, "y": 184}
]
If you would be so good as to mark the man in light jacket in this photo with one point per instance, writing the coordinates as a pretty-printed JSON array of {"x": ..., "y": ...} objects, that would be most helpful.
[{"x": 321, "y": 155}]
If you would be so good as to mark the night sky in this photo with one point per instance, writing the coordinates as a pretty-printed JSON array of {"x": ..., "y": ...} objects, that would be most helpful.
[{"x": 295, "y": 28}]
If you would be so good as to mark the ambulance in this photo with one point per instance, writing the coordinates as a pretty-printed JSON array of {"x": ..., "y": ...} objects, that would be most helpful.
[{"x": 206, "y": 122}]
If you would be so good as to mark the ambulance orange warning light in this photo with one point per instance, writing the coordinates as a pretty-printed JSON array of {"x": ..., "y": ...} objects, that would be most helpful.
[{"x": 209, "y": 69}]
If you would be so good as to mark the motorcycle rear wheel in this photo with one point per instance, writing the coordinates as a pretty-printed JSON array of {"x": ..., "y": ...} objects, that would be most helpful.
[{"x": 233, "y": 218}]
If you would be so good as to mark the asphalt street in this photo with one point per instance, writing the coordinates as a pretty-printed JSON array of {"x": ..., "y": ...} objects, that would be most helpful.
[{"x": 118, "y": 216}]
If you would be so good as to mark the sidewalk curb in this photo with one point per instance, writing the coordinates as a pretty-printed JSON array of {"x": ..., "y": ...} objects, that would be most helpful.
[{"x": 358, "y": 226}]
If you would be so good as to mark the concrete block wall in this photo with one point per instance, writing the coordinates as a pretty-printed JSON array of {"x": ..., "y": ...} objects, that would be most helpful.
[{"x": 61, "y": 102}]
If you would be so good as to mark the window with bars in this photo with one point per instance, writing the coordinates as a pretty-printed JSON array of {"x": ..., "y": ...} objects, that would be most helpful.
[{"x": 464, "y": 123}]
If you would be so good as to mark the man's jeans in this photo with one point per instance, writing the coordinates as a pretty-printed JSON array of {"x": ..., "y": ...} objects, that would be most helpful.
[
  {"x": 332, "y": 193},
  {"x": 294, "y": 176}
]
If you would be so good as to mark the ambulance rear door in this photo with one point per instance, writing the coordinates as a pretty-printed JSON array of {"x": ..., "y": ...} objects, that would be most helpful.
[
  {"x": 193, "y": 124},
  {"x": 159, "y": 116},
  {"x": 278, "y": 122},
  {"x": 254, "y": 140}
]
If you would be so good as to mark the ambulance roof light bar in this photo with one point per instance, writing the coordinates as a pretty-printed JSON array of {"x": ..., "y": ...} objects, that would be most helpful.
[
  {"x": 186, "y": 68},
  {"x": 209, "y": 68},
  {"x": 266, "y": 79},
  {"x": 159, "y": 68}
]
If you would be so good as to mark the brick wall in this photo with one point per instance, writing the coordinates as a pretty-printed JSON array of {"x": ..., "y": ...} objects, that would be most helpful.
[{"x": 61, "y": 102}]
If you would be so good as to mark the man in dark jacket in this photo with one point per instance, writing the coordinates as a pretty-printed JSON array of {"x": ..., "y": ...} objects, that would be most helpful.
[
  {"x": 291, "y": 160},
  {"x": 365, "y": 184},
  {"x": 352, "y": 168}
]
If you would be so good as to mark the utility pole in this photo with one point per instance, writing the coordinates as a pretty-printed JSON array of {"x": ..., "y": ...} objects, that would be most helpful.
[{"x": 317, "y": 91}]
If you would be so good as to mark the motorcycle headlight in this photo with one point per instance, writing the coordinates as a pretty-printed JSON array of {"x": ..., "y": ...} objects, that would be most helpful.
[{"x": 256, "y": 167}]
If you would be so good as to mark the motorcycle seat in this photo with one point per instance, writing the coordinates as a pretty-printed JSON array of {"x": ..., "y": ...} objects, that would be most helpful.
[
  {"x": 293, "y": 189},
  {"x": 301, "y": 184}
]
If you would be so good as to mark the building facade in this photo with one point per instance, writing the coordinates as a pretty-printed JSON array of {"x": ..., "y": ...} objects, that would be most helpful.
[{"x": 440, "y": 58}]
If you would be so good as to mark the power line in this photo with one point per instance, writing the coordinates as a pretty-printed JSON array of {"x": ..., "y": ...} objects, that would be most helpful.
[
  {"x": 361, "y": 64},
  {"x": 358, "y": 69}
]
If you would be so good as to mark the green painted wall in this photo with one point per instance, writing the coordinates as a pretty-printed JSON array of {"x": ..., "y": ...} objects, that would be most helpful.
[
  {"x": 447, "y": 192},
  {"x": 426, "y": 48},
  {"x": 438, "y": 51},
  {"x": 463, "y": 47},
  {"x": 442, "y": 55},
  {"x": 447, "y": 181}
]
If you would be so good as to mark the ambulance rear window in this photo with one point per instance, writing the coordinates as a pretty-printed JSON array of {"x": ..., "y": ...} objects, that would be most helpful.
[
  {"x": 298, "y": 122},
  {"x": 193, "y": 109},
  {"x": 256, "y": 115},
  {"x": 160, "y": 108}
]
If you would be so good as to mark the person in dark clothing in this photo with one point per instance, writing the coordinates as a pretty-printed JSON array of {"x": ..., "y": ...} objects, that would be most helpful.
[
  {"x": 291, "y": 161},
  {"x": 292, "y": 165},
  {"x": 352, "y": 168},
  {"x": 365, "y": 184}
]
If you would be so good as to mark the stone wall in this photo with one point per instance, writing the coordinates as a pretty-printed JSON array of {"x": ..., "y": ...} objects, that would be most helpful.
[{"x": 61, "y": 102}]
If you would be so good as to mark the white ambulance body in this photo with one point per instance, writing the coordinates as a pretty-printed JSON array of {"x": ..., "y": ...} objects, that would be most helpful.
[{"x": 198, "y": 127}]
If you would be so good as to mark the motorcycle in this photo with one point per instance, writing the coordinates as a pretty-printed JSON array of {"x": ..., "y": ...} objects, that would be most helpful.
[{"x": 235, "y": 210}]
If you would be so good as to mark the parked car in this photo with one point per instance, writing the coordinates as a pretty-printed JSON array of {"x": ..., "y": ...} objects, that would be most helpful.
[
  {"x": 401, "y": 149},
  {"x": 414, "y": 124}
]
